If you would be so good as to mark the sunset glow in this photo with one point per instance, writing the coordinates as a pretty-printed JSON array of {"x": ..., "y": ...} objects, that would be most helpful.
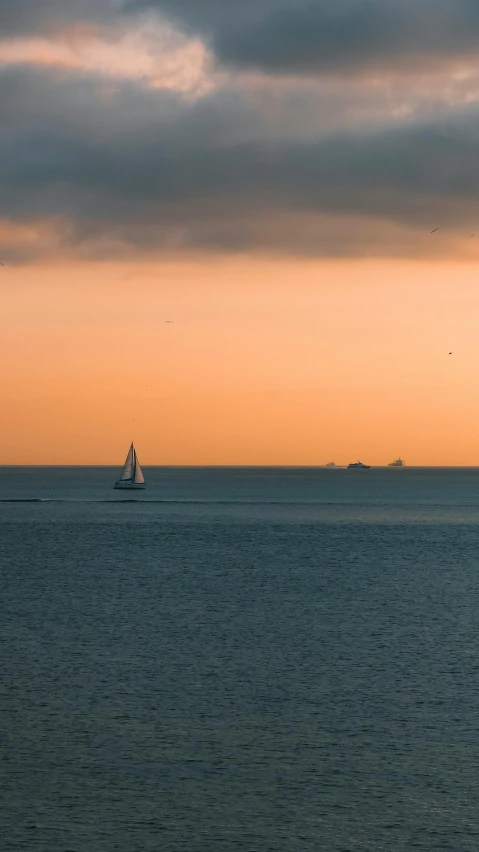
[{"x": 264, "y": 363}]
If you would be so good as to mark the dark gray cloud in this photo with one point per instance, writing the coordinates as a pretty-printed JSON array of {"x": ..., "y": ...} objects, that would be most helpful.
[
  {"x": 19, "y": 17},
  {"x": 128, "y": 166},
  {"x": 298, "y": 36}
]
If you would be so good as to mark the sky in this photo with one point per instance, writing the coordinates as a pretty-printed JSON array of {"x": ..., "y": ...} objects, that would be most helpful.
[{"x": 266, "y": 175}]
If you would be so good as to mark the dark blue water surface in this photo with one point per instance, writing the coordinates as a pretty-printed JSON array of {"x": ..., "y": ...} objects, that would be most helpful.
[{"x": 243, "y": 659}]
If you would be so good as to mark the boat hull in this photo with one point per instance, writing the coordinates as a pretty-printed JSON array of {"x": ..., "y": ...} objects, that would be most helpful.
[{"x": 130, "y": 486}]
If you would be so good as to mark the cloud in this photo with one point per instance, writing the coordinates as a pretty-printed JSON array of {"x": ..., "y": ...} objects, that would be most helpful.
[
  {"x": 156, "y": 56},
  {"x": 128, "y": 169},
  {"x": 34, "y": 16},
  {"x": 280, "y": 37},
  {"x": 311, "y": 36},
  {"x": 120, "y": 137}
]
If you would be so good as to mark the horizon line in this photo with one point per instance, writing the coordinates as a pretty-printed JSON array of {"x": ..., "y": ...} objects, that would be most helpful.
[{"x": 243, "y": 466}]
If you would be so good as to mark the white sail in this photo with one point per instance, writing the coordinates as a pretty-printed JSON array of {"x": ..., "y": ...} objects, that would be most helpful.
[
  {"x": 138, "y": 477},
  {"x": 129, "y": 466}
]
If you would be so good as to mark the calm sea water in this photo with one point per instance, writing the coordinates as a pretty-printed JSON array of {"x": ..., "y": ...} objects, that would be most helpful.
[{"x": 243, "y": 659}]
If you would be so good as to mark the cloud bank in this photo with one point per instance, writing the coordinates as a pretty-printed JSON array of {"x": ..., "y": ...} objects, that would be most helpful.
[{"x": 218, "y": 127}]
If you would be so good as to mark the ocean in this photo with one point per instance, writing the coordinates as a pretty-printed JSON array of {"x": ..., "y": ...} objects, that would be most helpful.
[{"x": 257, "y": 659}]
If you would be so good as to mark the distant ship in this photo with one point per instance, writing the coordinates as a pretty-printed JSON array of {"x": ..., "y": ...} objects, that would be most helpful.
[
  {"x": 330, "y": 464},
  {"x": 132, "y": 474},
  {"x": 397, "y": 463},
  {"x": 358, "y": 466}
]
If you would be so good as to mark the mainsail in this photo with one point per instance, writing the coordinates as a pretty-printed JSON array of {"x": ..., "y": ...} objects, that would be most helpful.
[{"x": 131, "y": 470}]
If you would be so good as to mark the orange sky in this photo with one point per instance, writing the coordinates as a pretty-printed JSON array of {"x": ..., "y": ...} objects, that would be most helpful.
[{"x": 267, "y": 362}]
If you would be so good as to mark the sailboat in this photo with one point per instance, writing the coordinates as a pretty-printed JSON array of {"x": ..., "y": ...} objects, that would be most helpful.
[{"x": 132, "y": 475}]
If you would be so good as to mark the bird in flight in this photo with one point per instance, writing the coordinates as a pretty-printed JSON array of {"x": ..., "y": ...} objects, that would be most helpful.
[
  {"x": 169, "y": 321},
  {"x": 450, "y": 353},
  {"x": 435, "y": 229}
]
